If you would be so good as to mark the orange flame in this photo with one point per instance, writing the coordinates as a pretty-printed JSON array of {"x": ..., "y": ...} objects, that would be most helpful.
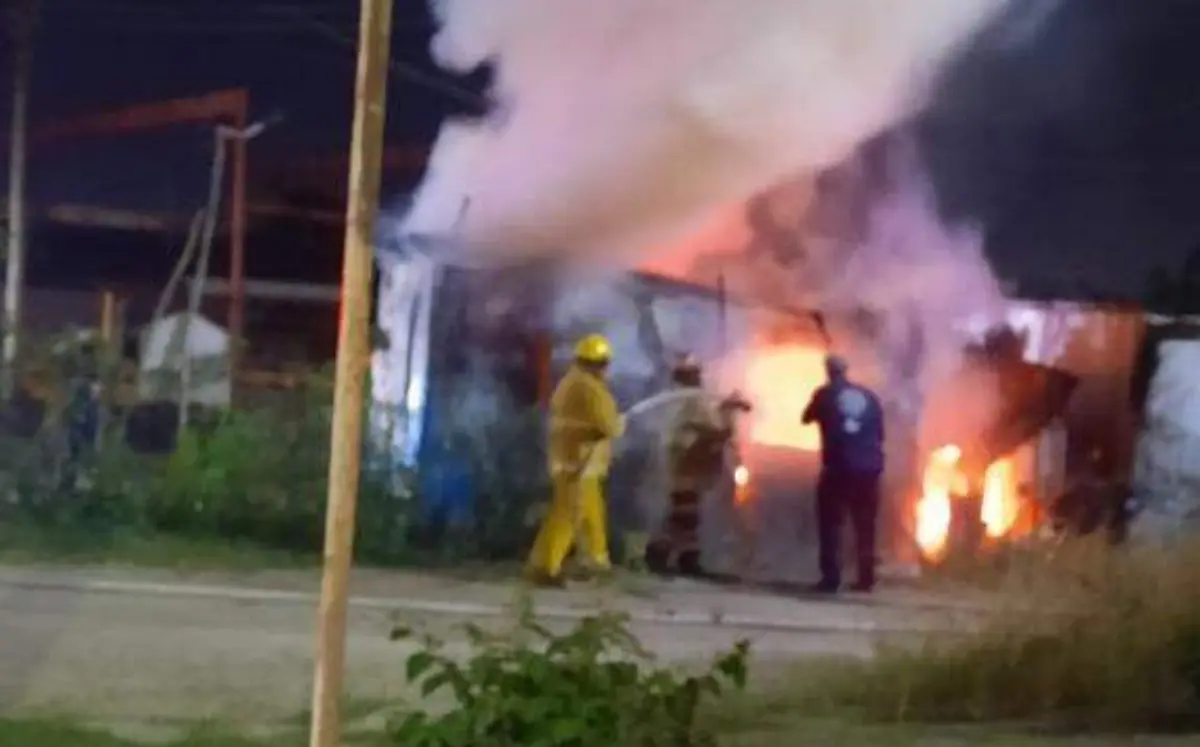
[
  {"x": 1000, "y": 507},
  {"x": 934, "y": 507}
]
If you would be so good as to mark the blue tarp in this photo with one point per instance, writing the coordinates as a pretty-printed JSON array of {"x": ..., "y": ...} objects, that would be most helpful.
[{"x": 447, "y": 485}]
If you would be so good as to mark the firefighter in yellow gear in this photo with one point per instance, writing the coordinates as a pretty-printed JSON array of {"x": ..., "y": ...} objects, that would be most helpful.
[
  {"x": 584, "y": 422},
  {"x": 697, "y": 439}
]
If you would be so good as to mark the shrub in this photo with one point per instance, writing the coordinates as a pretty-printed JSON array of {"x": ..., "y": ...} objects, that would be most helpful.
[
  {"x": 256, "y": 475},
  {"x": 594, "y": 686},
  {"x": 1099, "y": 638},
  {"x": 262, "y": 475}
]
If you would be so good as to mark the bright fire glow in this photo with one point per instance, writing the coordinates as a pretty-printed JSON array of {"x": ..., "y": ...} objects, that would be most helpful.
[
  {"x": 741, "y": 476},
  {"x": 783, "y": 379},
  {"x": 1000, "y": 505},
  {"x": 741, "y": 484},
  {"x": 933, "y": 507}
]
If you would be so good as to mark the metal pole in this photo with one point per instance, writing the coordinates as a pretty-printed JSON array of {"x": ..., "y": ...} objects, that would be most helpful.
[
  {"x": 185, "y": 261},
  {"x": 239, "y": 136},
  {"x": 109, "y": 359},
  {"x": 237, "y": 254},
  {"x": 22, "y": 25},
  {"x": 196, "y": 292},
  {"x": 366, "y": 147}
]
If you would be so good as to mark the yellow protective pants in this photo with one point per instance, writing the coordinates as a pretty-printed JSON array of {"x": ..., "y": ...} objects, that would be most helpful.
[{"x": 578, "y": 503}]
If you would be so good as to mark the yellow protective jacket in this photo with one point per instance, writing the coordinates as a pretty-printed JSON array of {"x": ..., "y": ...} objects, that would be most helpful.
[{"x": 583, "y": 423}]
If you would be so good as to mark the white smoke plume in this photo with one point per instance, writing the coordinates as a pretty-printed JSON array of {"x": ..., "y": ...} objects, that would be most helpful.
[
  {"x": 922, "y": 280},
  {"x": 625, "y": 123},
  {"x": 925, "y": 282}
]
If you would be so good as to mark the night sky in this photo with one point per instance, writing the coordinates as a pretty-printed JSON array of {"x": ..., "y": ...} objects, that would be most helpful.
[
  {"x": 296, "y": 58},
  {"x": 1081, "y": 151},
  {"x": 1078, "y": 150}
]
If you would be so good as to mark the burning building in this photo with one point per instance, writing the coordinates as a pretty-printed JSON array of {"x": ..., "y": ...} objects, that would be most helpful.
[
  {"x": 704, "y": 112},
  {"x": 1004, "y": 415},
  {"x": 467, "y": 349}
]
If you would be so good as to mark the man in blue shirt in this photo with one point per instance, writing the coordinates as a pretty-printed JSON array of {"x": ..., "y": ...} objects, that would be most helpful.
[{"x": 850, "y": 419}]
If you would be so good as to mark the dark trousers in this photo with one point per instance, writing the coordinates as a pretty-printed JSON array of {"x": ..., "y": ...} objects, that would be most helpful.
[
  {"x": 679, "y": 539},
  {"x": 842, "y": 495}
]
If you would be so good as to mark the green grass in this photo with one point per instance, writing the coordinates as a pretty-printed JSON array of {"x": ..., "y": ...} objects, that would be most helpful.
[
  {"x": 795, "y": 707},
  {"x": 835, "y": 733},
  {"x": 66, "y": 733},
  {"x": 802, "y": 734},
  {"x": 28, "y": 543}
]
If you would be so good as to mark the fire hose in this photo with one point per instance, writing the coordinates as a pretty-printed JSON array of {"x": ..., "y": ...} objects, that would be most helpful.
[{"x": 585, "y": 462}]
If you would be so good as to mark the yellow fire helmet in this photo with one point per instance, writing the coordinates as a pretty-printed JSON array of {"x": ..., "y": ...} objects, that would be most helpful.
[{"x": 593, "y": 349}]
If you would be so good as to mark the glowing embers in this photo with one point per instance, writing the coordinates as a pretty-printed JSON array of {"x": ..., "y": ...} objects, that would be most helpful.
[
  {"x": 780, "y": 381},
  {"x": 944, "y": 488}
]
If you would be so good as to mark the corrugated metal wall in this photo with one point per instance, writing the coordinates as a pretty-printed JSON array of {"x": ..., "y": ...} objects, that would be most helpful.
[
  {"x": 1100, "y": 346},
  {"x": 1096, "y": 436}
]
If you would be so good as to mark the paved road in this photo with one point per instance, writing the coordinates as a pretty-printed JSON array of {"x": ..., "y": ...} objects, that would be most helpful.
[{"x": 111, "y": 647}]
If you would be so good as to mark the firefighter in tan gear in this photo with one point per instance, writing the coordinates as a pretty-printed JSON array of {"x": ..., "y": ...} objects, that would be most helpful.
[
  {"x": 697, "y": 439},
  {"x": 584, "y": 421}
]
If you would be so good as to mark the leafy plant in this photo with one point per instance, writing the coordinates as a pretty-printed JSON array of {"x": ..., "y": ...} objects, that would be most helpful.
[
  {"x": 258, "y": 474},
  {"x": 262, "y": 475},
  {"x": 594, "y": 686}
]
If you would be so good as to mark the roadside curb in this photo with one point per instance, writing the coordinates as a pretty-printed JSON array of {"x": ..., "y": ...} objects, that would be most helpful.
[{"x": 713, "y": 618}]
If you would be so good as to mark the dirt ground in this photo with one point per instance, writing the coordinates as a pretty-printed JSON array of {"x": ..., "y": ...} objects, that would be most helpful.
[{"x": 118, "y": 644}]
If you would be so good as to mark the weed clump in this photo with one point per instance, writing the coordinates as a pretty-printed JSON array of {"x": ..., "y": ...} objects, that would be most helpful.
[{"x": 1098, "y": 638}]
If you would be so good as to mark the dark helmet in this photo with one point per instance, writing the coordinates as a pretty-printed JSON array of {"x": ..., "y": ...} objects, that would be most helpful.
[{"x": 687, "y": 370}]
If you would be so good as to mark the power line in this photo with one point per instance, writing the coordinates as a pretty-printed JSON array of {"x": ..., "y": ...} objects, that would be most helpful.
[
  {"x": 272, "y": 17},
  {"x": 328, "y": 20},
  {"x": 403, "y": 69},
  {"x": 180, "y": 8}
]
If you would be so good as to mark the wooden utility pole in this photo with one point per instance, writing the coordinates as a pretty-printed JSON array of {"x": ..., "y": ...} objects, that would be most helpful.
[
  {"x": 366, "y": 148},
  {"x": 22, "y": 21}
]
